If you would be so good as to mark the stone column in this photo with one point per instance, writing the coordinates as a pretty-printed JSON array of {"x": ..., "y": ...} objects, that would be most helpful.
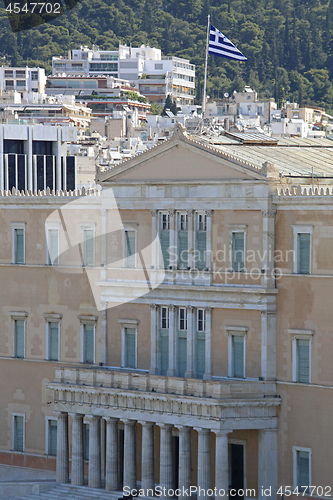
[
  {"x": 203, "y": 463},
  {"x": 268, "y": 240},
  {"x": 208, "y": 344},
  {"x": 111, "y": 464},
  {"x": 77, "y": 474},
  {"x": 209, "y": 214},
  {"x": 190, "y": 342},
  {"x": 173, "y": 243},
  {"x": 147, "y": 467},
  {"x": 62, "y": 473},
  {"x": 153, "y": 340},
  {"x": 155, "y": 241},
  {"x": 94, "y": 471},
  {"x": 166, "y": 471},
  {"x": 103, "y": 448},
  {"x": 59, "y": 173},
  {"x": 222, "y": 463},
  {"x": 184, "y": 480},
  {"x": 104, "y": 333},
  {"x": 268, "y": 344},
  {"x": 267, "y": 462},
  {"x": 129, "y": 454},
  {"x": 172, "y": 342},
  {"x": 190, "y": 241}
]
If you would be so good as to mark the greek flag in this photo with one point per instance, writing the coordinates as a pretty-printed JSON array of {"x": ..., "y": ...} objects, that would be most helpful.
[{"x": 220, "y": 45}]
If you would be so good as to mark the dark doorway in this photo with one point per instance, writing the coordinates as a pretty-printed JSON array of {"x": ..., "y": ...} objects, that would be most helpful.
[
  {"x": 121, "y": 457},
  {"x": 237, "y": 468},
  {"x": 175, "y": 461}
]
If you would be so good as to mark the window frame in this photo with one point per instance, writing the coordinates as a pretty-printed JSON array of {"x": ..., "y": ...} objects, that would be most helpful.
[
  {"x": 296, "y": 449},
  {"x": 236, "y": 228},
  {"x": 185, "y": 319},
  {"x": 49, "y": 227},
  {"x": 300, "y": 335},
  {"x": 51, "y": 318},
  {"x": 18, "y": 316},
  {"x": 13, "y": 415},
  {"x": 87, "y": 320},
  {"x": 133, "y": 324},
  {"x": 301, "y": 229},
  {"x": 239, "y": 331},
  {"x": 88, "y": 227},
  {"x": 134, "y": 228},
  {"x": 167, "y": 318},
  {"x": 14, "y": 226},
  {"x": 203, "y": 320},
  {"x": 47, "y": 433}
]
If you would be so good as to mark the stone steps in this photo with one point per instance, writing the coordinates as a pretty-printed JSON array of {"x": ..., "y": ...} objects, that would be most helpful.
[{"x": 68, "y": 492}]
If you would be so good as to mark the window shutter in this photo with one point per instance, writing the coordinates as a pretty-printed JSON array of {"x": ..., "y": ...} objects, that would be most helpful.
[
  {"x": 201, "y": 250},
  {"x": 238, "y": 354},
  {"x": 165, "y": 243},
  {"x": 53, "y": 341},
  {"x": 88, "y": 344},
  {"x": 238, "y": 251},
  {"x": 19, "y": 250},
  {"x": 200, "y": 355},
  {"x": 86, "y": 441},
  {"x": 182, "y": 355},
  {"x": 304, "y": 253},
  {"x": 182, "y": 249},
  {"x": 18, "y": 437},
  {"x": 130, "y": 347},
  {"x": 19, "y": 338},
  {"x": 88, "y": 247},
  {"x": 303, "y": 463},
  {"x": 164, "y": 352},
  {"x": 53, "y": 246},
  {"x": 52, "y": 437},
  {"x": 130, "y": 250},
  {"x": 303, "y": 361}
]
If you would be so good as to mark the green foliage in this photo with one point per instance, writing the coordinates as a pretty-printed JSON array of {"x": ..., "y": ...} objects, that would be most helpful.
[
  {"x": 169, "y": 104},
  {"x": 156, "y": 109},
  {"x": 288, "y": 43}
]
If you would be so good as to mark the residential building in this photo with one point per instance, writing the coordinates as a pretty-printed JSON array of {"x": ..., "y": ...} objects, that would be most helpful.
[
  {"x": 22, "y": 79},
  {"x": 180, "y": 331}
]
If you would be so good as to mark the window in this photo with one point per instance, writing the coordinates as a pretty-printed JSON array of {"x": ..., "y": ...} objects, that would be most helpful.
[
  {"x": 236, "y": 351},
  {"x": 201, "y": 320},
  {"x": 51, "y": 436},
  {"x": 85, "y": 441},
  {"x": 302, "y": 249},
  {"x": 52, "y": 246},
  {"x": 19, "y": 338},
  {"x": 201, "y": 343},
  {"x": 164, "y": 317},
  {"x": 34, "y": 75},
  {"x": 53, "y": 336},
  {"x": 182, "y": 341},
  {"x": 164, "y": 340},
  {"x": 18, "y": 434},
  {"x": 301, "y": 346},
  {"x": 88, "y": 250},
  {"x": 182, "y": 241},
  {"x": 302, "y": 467},
  {"x": 129, "y": 332},
  {"x": 18, "y": 242},
  {"x": 87, "y": 340},
  {"x": 158, "y": 66},
  {"x": 130, "y": 237},
  {"x": 21, "y": 83},
  {"x": 182, "y": 318},
  {"x": 238, "y": 251},
  {"x": 200, "y": 256},
  {"x": 165, "y": 239}
]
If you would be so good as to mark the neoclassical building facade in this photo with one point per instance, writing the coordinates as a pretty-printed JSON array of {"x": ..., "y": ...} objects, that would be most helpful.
[{"x": 176, "y": 324}]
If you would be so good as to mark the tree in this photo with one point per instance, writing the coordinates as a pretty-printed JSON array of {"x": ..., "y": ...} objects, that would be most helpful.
[{"x": 169, "y": 104}]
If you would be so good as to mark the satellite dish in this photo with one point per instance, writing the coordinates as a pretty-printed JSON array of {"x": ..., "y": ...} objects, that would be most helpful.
[{"x": 226, "y": 94}]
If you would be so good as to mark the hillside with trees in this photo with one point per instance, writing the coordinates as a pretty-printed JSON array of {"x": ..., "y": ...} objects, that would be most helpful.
[{"x": 288, "y": 43}]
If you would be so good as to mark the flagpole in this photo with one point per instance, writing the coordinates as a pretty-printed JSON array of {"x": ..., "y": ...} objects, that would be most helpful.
[{"x": 206, "y": 62}]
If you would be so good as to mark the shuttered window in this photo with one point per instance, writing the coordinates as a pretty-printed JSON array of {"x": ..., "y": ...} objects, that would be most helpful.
[
  {"x": 88, "y": 343},
  {"x": 182, "y": 354},
  {"x": 19, "y": 246},
  {"x": 19, "y": 338},
  {"x": 201, "y": 320},
  {"x": 86, "y": 441},
  {"x": 238, "y": 356},
  {"x": 303, "y": 469},
  {"x": 238, "y": 251},
  {"x": 130, "y": 249},
  {"x": 182, "y": 242},
  {"x": 130, "y": 348},
  {"x": 164, "y": 317},
  {"x": 182, "y": 318},
  {"x": 164, "y": 344},
  {"x": 53, "y": 328},
  {"x": 53, "y": 246},
  {"x": 201, "y": 345},
  {"x": 200, "y": 255},
  {"x": 52, "y": 435},
  {"x": 303, "y": 250},
  {"x": 303, "y": 360},
  {"x": 165, "y": 244},
  {"x": 18, "y": 433},
  {"x": 88, "y": 247}
]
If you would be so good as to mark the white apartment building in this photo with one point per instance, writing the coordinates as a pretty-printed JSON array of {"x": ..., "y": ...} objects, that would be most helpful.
[
  {"x": 155, "y": 75},
  {"x": 22, "y": 79}
]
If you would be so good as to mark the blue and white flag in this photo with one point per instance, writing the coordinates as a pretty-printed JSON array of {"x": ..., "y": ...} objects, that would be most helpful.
[{"x": 220, "y": 45}]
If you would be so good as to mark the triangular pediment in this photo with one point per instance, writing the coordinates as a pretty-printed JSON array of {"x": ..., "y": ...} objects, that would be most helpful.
[{"x": 181, "y": 159}]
